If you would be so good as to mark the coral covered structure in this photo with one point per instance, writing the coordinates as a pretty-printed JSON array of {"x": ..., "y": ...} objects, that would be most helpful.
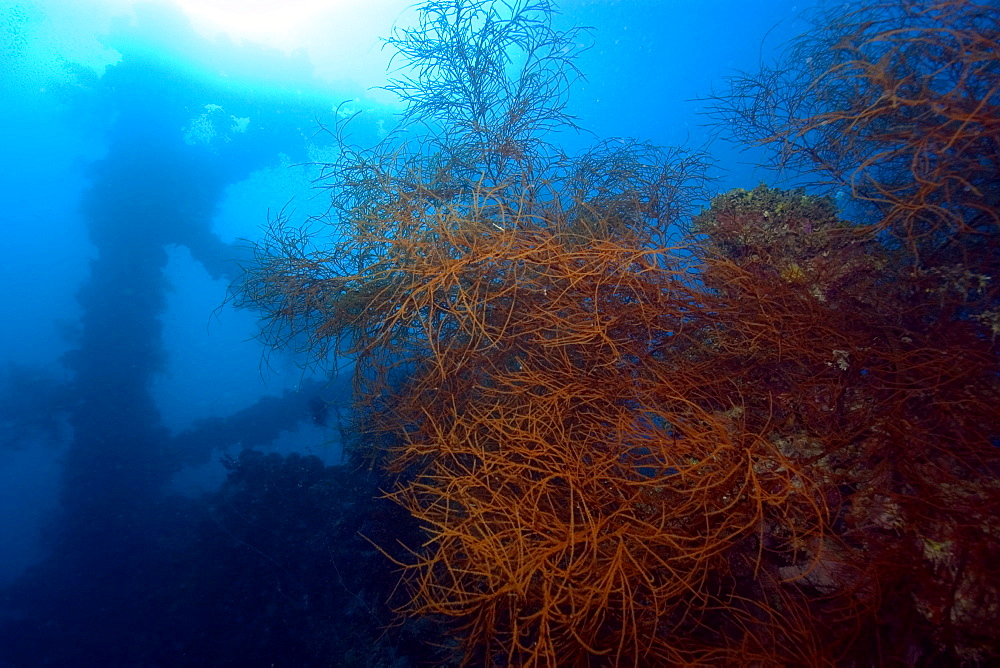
[{"x": 772, "y": 442}]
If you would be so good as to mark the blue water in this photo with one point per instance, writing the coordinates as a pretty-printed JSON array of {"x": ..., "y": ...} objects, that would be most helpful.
[{"x": 139, "y": 155}]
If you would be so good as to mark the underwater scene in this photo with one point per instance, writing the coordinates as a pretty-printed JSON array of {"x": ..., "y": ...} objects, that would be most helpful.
[{"x": 386, "y": 333}]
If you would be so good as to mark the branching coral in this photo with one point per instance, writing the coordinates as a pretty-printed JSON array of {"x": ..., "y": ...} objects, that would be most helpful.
[
  {"x": 629, "y": 452},
  {"x": 897, "y": 101}
]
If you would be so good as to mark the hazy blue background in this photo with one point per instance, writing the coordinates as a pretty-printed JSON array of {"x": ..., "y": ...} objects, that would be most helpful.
[{"x": 113, "y": 110}]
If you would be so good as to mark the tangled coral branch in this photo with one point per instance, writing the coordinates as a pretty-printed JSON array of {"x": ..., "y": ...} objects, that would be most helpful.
[{"x": 716, "y": 451}]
